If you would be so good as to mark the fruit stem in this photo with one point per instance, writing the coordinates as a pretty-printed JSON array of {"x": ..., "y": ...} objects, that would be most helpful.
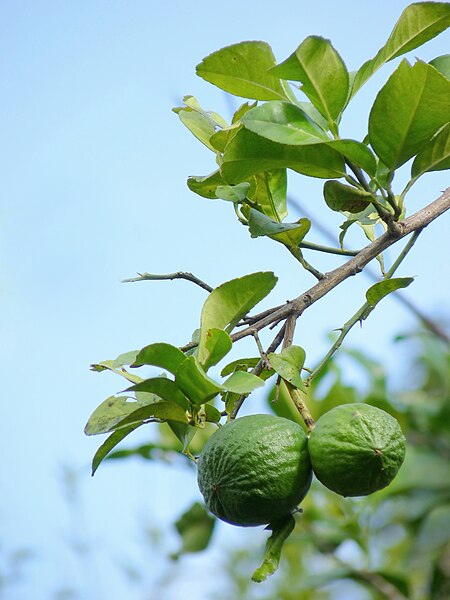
[{"x": 300, "y": 405}]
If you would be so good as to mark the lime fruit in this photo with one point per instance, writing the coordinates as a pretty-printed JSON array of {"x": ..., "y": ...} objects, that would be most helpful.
[
  {"x": 255, "y": 470},
  {"x": 356, "y": 449}
]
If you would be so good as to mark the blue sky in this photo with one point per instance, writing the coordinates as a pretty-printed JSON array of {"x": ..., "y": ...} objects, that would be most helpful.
[{"x": 92, "y": 191}]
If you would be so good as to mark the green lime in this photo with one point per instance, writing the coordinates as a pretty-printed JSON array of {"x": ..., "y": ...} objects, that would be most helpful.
[
  {"x": 255, "y": 470},
  {"x": 356, "y": 449}
]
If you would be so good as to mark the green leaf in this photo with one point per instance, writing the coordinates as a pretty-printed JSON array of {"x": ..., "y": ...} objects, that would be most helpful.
[
  {"x": 110, "y": 443},
  {"x": 289, "y": 234},
  {"x": 194, "y": 382},
  {"x": 323, "y": 75},
  {"x": 284, "y": 123},
  {"x": 110, "y": 412},
  {"x": 163, "y": 388},
  {"x": 248, "y": 154},
  {"x": 241, "y": 364},
  {"x": 160, "y": 411},
  {"x": 183, "y": 432},
  {"x": 408, "y": 110},
  {"x": 418, "y": 23},
  {"x": 280, "y": 532},
  {"x": 442, "y": 64},
  {"x": 288, "y": 124},
  {"x": 356, "y": 152},
  {"x": 242, "y": 69},
  {"x": 200, "y": 123},
  {"x": 231, "y": 301},
  {"x": 381, "y": 289},
  {"x": 206, "y": 186},
  {"x": 161, "y": 355},
  {"x": 195, "y": 528},
  {"x": 233, "y": 193},
  {"x": 435, "y": 156},
  {"x": 269, "y": 192},
  {"x": 241, "y": 382},
  {"x": 217, "y": 345},
  {"x": 288, "y": 364},
  {"x": 341, "y": 197},
  {"x": 212, "y": 414}
]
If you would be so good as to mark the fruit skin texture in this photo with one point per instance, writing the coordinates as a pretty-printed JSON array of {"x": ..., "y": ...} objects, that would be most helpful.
[
  {"x": 255, "y": 470},
  {"x": 356, "y": 449}
]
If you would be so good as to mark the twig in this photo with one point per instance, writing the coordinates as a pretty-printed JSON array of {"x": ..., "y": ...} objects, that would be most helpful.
[
  {"x": 418, "y": 220},
  {"x": 257, "y": 370},
  {"x": 402, "y": 298},
  {"x": 291, "y": 321},
  {"x": 297, "y": 253},
  {"x": 171, "y": 276},
  {"x": 328, "y": 249},
  {"x": 297, "y": 399},
  {"x": 363, "y": 312}
]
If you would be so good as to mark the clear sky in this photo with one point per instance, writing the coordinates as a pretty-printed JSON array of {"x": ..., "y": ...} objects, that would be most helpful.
[{"x": 93, "y": 190}]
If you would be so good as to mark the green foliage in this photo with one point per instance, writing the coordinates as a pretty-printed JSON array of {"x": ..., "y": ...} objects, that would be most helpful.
[{"x": 289, "y": 122}]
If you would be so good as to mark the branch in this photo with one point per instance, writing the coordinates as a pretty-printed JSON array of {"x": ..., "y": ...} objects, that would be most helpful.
[
  {"x": 396, "y": 232},
  {"x": 171, "y": 276},
  {"x": 363, "y": 312},
  {"x": 428, "y": 323}
]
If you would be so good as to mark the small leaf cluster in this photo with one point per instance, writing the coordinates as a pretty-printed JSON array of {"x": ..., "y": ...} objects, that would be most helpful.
[
  {"x": 291, "y": 121},
  {"x": 182, "y": 395}
]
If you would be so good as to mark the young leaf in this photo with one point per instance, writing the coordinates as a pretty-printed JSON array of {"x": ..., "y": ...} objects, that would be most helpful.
[
  {"x": 195, "y": 528},
  {"x": 110, "y": 412},
  {"x": 241, "y": 382},
  {"x": 111, "y": 442},
  {"x": 161, "y": 355},
  {"x": 242, "y": 69},
  {"x": 183, "y": 432},
  {"x": 163, "y": 388},
  {"x": 212, "y": 414},
  {"x": 233, "y": 193},
  {"x": 280, "y": 532},
  {"x": 289, "y": 234},
  {"x": 206, "y": 186},
  {"x": 381, "y": 289},
  {"x": 442, "y": 64},
  {"x": 418, "y": 23},
  {"x": 284, "y": 123},
  {"x": 231, "y": 301},
  {"x": 435, "y": 156},
  {"x": 324, "y": 76},
  {"x": 241, "y": 364},
  {"x": 110, "y": 365},
  {"x": 194, "y": 382},
  {"x": 341, "y": 197},
  {"x": 288, "y": 364},
  {"x": 408, "y": 110},
  {"x": 248, "y": 154},
  {"x": 200, "y": 123},
  {"x": 217, "y": 345}
]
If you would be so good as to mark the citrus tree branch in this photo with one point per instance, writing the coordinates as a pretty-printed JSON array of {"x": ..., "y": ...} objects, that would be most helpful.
[
  {"x": 428, "y": 323},
  {"x": 363, "y": 312},
  {"x": 398, "y": 230}
]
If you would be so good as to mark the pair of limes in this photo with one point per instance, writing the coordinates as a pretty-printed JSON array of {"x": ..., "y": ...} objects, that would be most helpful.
[{"x": 257, "y": 469}]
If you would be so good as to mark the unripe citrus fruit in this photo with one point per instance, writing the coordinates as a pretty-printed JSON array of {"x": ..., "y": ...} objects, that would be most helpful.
[
  {"x": 255, "y": 470},
  {"x": 356, "y": 449}
]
